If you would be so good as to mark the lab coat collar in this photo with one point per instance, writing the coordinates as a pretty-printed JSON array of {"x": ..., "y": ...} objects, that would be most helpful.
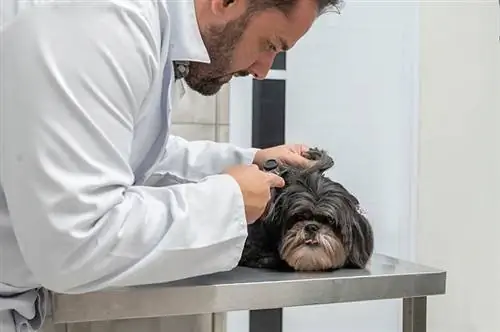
[{"x": 186, "y": 41}]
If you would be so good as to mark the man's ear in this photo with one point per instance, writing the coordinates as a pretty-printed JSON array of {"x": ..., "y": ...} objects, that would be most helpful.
[{"x": 228, "y": 10}]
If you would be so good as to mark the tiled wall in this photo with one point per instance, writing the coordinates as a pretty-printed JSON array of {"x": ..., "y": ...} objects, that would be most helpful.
[{"x": 202, "y": 118}]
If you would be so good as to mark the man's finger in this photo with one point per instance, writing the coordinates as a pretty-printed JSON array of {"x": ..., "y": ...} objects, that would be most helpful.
[
  {"x": 275, "y": 181},
  {"x": 297, "y": 160},
  {"x": 298, "y": 148},
  {"x": 303, "y": 149}
]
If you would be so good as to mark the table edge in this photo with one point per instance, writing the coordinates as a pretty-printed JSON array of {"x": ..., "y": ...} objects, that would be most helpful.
[{"x": 119, "y": 304}]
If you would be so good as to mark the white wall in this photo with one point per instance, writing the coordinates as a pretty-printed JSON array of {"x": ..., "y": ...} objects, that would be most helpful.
[
  {"x": 459, "y": 173},
  {"x": 352, "y": 88},
  {"x": 360, "y": 112}
]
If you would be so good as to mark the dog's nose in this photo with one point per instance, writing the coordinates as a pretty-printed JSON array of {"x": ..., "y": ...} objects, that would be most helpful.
[{"x": 311, "y": 228}]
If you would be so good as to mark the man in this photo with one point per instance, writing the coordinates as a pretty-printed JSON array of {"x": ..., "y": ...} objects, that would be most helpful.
[{"x": 95, "y": 192}]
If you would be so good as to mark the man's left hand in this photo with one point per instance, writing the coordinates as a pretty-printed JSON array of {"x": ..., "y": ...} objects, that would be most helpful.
[{"x": 291, "y": 154}]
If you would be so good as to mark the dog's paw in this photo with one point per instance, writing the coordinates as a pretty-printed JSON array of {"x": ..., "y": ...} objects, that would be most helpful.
[
  {"x": 269, "y": 262},
  {"x": 263, "y": 262}
]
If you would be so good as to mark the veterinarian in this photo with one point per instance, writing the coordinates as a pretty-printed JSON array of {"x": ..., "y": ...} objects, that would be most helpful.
[{"x": 95, "y": 192}]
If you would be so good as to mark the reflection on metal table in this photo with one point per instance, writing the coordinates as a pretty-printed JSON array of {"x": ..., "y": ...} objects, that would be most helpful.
[{"x": 265, "y": 293}]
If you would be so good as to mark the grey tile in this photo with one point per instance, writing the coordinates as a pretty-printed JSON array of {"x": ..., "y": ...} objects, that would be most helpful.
[
  {"x": 223, "y": 105},
  {"x": 195, "y": 108},
  {"x": 223, "y": 133},
  {"x": 193, "y": 132}
]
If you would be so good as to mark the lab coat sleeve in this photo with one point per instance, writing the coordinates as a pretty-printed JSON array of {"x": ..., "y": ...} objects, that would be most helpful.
[
  {"x": 73, "y": 79},
  {"x": 191, "y": 161}
]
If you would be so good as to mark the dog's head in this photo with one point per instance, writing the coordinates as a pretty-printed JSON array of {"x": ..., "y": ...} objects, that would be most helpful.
[{"x": 319, "y": 223}]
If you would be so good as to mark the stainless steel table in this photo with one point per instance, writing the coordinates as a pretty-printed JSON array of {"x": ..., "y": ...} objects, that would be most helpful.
[{"x": 264, "y": 293}]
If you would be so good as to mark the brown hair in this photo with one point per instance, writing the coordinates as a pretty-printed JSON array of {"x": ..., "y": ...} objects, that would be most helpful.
[{"x": 286, "y": 6}]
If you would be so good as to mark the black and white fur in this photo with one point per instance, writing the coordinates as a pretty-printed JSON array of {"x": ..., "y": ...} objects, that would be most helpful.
[{"x": 312, "y": 224}]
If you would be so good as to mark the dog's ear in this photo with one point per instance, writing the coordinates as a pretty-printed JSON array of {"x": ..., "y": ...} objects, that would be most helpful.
[
  {"x": 362, "y": 242},
  {"x": 274, "y": 207},
  {"x": 314, "y": 154},
  {"x": 322, "y": 161}
]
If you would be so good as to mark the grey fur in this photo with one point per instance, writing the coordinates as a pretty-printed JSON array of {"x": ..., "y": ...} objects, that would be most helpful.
[{"x": 342, "y": 236}]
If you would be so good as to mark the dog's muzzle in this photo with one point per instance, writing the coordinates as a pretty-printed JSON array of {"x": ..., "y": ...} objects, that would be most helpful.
[{"x": 311, "y": 246}]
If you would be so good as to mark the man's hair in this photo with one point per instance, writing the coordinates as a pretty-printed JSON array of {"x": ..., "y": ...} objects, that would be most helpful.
[{"x": 286, "y": 6}]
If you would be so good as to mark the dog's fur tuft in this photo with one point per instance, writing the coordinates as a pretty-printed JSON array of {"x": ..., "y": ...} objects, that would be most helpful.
[{"x": 312, "y": 224}]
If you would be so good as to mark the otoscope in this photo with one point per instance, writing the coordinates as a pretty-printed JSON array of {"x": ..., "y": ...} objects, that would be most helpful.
[{"x": 271, "y": 166}]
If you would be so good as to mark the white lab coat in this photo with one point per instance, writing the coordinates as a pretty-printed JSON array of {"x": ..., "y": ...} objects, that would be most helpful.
[{"x": 94, "y": 192}]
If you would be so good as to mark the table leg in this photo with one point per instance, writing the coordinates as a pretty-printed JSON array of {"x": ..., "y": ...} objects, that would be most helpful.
[
  {"x": 415, "y": 314},
  {"x": 267, "y": 320}
]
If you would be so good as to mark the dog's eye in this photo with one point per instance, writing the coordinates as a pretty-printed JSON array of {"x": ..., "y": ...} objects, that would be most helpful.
[
  {"x": 302, "y": 217},
  {"x": 322, "y": 220}
]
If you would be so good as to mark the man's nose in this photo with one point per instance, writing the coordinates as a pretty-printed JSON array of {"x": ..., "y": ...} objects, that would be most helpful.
[{"x": 261, "y": 67}]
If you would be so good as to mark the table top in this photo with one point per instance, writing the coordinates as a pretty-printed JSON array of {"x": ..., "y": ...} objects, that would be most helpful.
[{"x": 253, "y": 289}]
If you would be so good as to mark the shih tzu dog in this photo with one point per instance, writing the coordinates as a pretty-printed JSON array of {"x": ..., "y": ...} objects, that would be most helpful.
[{"x": 311, "y": 224}]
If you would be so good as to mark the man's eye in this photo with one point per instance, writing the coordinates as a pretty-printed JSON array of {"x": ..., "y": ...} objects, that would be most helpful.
[{"x": 272, "y": 48}]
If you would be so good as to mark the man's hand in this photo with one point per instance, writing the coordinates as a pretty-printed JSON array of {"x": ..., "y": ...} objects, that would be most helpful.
[
  {"x": 291, "y": 154},
  {"x": 256, "y": 187}
]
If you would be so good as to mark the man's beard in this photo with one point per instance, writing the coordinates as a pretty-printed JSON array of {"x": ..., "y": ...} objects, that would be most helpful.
[{"x": 208, "y": 78}]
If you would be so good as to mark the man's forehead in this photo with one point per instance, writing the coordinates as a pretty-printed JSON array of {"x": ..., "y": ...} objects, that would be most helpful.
[{"x": 288, "y": 29}]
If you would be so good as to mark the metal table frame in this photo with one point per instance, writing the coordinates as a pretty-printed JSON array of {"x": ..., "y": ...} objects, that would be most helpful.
[
  {"x": 263, "y": 293},
  {"x": 271, "y": 320}
]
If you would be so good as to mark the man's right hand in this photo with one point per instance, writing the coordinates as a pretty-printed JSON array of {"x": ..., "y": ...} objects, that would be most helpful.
[{"x": 256, "y": 187}]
